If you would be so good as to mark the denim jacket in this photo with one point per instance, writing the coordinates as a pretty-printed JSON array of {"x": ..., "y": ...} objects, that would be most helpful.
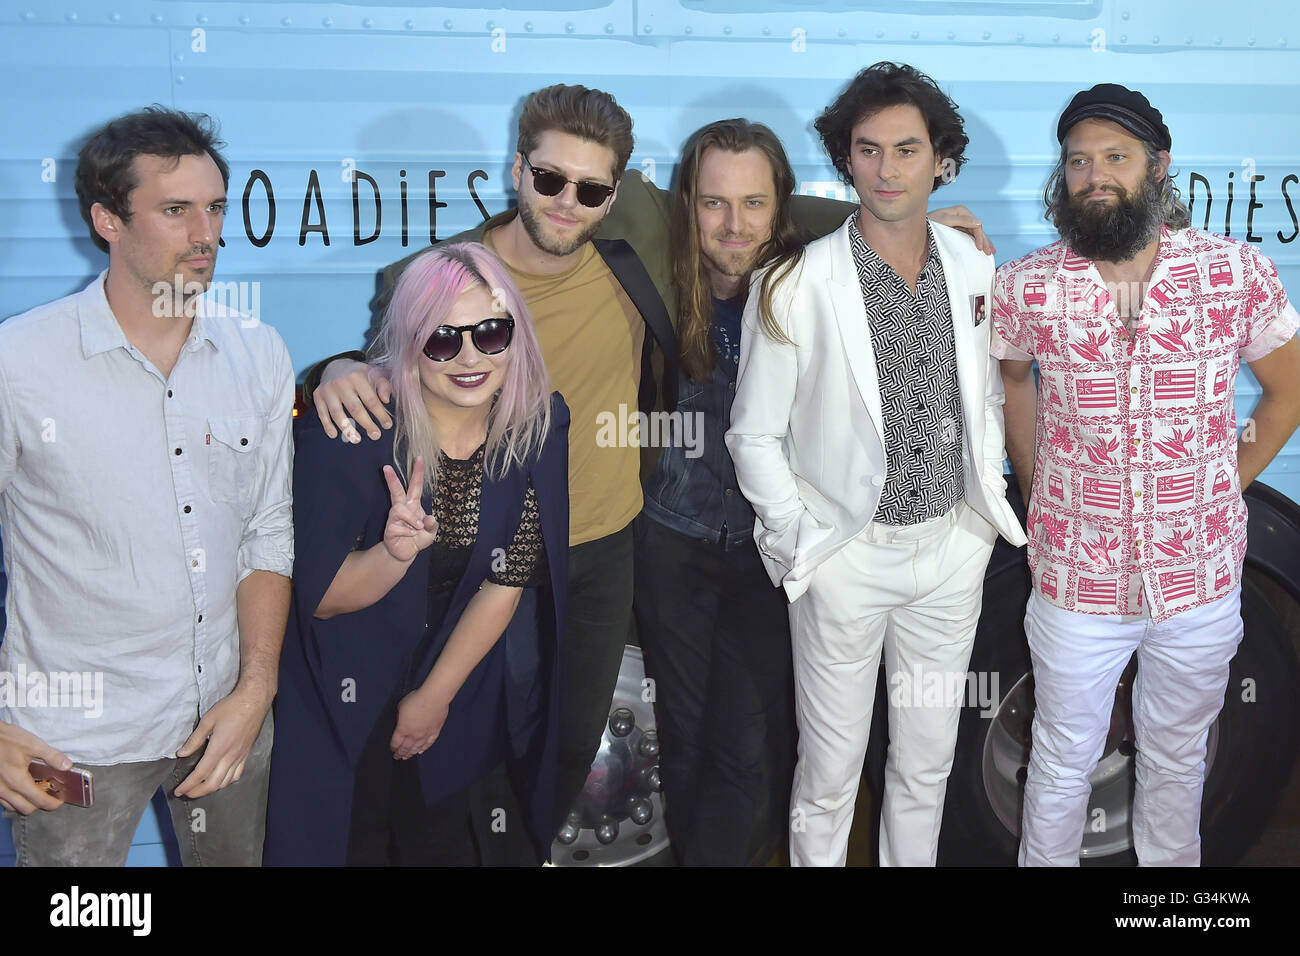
[{"x": 693, "y": 490}]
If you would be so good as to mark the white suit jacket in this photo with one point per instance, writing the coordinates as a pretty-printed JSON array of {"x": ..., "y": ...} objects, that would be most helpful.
[{"x": 812, "y": 472}]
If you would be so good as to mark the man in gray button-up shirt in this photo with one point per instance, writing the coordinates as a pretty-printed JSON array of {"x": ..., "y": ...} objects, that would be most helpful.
[{"x": 145, "y": 460}]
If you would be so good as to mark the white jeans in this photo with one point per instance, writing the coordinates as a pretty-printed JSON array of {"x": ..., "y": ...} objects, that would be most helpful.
[
  {"x": 1182, "y": 675},
  {"x": 913, "y": 592}
]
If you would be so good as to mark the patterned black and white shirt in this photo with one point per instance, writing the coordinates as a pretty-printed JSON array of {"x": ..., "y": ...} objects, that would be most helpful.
[{"x": 916, "y": 364}]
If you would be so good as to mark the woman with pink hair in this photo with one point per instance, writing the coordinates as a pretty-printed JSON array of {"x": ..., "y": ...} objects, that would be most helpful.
[{"x": 399, "y": 695}]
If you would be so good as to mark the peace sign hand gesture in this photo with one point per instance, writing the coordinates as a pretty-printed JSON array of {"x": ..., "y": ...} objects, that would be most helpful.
[{"x": 409, "y": 530}]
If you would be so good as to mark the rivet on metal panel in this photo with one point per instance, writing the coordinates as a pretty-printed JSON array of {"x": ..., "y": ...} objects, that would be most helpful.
[
  {"x": 1124, "y": 15},
  {"x": 286, "y": 21},
  {"x": 647, "y": 28},
  {"x": 879, "y": 34},
  {"x": 1123, "y": 38},
  {"x": 528, "y": 26},
  {"x": 29, "y": 15},
  {"x": 72, "y": 16},
  {"x": 180, "y": 77},
  {"x": 1056, "y": 38},
  {"x": 569, "y": 27},
  {"x": 491, "y": 25},
  {"x": 1251, "y": 41},
  {"x": 1187, "y": 40},
  {"x": 157, "y": 18},
  {"x": 115, "y": 17},
  {"x": 986, "y": 34},
  {"x": 409, "y": 24},
  {"x": 916, "y": 34},
  {"x": 1155, "y": 41},
  {"x": 245, "y": 20},
  {"x": 180, "y": 57},
  {"x": 1282, "y": 42},
  {"x": 327, "y": 21},
  {"x": 952, "y": 34},
  {"x": 202, "y": 18},
  {"x": 1020, "y": 37},
  {"x": 446, "y": 24},
  {"x": 609, "y": 28},
  {"x": 727, "y": 29},
  {"x": 688, "y": 29},
  {"x": 367, "y": 23},
  {"x": 767, "y": 31},
  {"x": 1218, "y": 41},
  {"x": 841, "y": 32}
]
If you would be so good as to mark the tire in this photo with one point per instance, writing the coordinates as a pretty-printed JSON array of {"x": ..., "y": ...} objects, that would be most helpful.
[{"x": 605, "y": 829}]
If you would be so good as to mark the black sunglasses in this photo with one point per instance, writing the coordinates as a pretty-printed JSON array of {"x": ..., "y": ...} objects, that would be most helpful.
[
  {"x": 490, "y": 337},
  {"x": 550, "y": 183}
]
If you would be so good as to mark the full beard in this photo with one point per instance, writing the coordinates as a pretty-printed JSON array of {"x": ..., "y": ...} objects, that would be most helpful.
[
  {"x": 1112, "y": 232},
  {"x": 554, "y": 245}
]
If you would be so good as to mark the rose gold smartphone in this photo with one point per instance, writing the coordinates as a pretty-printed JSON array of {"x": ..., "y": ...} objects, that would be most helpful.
[{"x": 75, "y": 786}]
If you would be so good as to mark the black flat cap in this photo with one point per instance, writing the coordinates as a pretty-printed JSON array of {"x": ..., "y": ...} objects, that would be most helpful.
[{"x": 1121, "y": 105}]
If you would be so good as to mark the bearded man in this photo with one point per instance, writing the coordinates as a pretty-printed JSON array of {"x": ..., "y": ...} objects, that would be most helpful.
[{"x": 1128, "y": 456}]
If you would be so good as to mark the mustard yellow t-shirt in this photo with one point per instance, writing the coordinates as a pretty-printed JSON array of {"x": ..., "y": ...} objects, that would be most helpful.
[{"x": 591, "y": 337}]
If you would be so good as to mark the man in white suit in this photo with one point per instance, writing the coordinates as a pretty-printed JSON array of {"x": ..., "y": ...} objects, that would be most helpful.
[{"x": 867, "y": 433}]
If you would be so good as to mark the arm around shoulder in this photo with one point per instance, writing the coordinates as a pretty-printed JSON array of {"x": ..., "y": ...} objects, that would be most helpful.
[{"x": 819, "y": 216}]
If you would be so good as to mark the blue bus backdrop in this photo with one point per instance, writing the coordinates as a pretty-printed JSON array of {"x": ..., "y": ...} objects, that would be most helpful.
[{"x": 360, "y": 131}]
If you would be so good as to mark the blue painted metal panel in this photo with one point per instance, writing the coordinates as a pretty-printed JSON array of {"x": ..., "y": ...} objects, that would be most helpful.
[{"x": 428, "y": 96}]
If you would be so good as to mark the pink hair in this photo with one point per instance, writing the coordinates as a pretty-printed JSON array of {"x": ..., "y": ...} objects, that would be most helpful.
[{"x": 426, "y": 291}]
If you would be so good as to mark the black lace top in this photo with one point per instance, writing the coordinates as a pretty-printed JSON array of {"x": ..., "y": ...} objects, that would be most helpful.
[{"x": 456, "y": 504}]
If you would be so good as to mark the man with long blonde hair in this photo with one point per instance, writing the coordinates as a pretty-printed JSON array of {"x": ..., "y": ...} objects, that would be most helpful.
[{"x": 714, "y": 631}]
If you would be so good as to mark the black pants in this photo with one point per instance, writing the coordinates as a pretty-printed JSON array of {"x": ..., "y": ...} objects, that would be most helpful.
[
  {"x": 716, "y": 639},
  {"x": 598, "y": 626},
  {"x": 481, "y": 825}
]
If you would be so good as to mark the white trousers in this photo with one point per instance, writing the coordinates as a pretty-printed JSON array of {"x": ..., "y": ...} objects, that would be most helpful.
[
  {"x": 1182, "y": 675},
  {"x": 913, "y": 592}
]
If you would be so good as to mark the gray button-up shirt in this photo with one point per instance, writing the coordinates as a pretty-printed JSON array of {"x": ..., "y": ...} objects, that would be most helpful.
[
  {"x": 920, "y": 401},
  {"x": 131, "y": 507}
]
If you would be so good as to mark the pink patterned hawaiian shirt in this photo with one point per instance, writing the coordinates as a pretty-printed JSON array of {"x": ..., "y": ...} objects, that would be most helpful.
[{"x": 1135, "y": 472}]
